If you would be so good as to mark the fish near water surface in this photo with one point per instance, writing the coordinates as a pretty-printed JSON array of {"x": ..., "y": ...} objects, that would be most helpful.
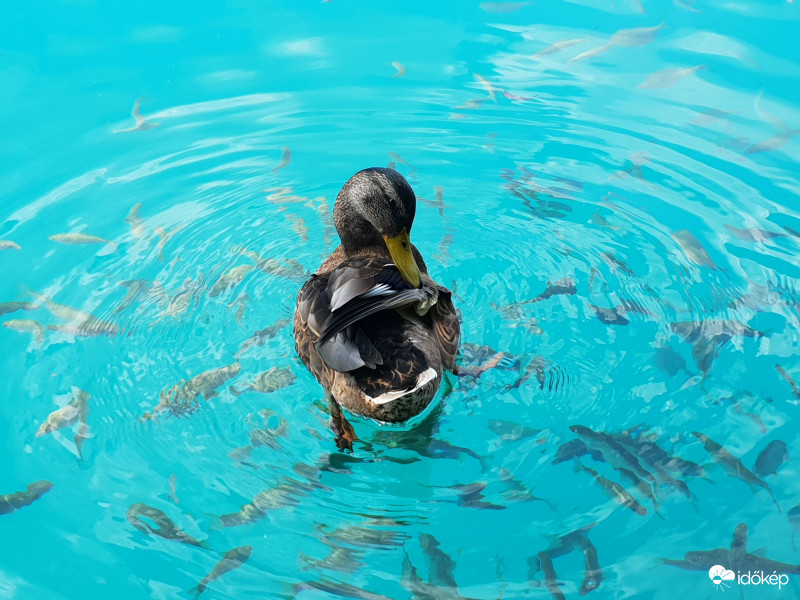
[
  {"x": 140, "y": 515},
  {"x": 771, "y": 458},
  {"x": 732, "y": 465},
  {"x": 617, "y": 493},
  {"x": 10, "y": 503},
  {"x": 233, "y": 559}
]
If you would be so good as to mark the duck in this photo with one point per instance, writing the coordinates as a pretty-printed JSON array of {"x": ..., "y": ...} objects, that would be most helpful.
[{"x": 371, "y": 325}]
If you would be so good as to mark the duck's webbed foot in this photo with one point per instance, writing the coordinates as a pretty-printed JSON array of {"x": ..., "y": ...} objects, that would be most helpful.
[{"x": 345, "y": 434}]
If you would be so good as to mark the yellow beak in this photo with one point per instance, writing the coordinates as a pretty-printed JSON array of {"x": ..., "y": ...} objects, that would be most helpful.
[{"x": 400, "y": 249}]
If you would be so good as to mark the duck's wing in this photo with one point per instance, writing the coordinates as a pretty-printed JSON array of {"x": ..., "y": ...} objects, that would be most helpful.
[
  {"x": 358, "y": 290},
  {"x": 446, "y": 327}
]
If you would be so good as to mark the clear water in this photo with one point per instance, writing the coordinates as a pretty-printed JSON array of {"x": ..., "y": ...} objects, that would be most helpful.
[{"x": 551, "y": 166}]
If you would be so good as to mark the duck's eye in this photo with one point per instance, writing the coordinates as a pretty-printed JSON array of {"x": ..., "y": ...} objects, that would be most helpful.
[{"x": 392, "y": 202}]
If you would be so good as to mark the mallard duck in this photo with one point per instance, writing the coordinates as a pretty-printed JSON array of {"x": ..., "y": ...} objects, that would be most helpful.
[{"x": 371, "y": 325}]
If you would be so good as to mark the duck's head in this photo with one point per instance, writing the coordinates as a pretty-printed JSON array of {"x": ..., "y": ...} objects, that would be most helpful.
[{"x": 376, "y": 207}]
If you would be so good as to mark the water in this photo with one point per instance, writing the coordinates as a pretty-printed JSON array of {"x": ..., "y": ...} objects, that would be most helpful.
[{"x": 531, "y": 165}]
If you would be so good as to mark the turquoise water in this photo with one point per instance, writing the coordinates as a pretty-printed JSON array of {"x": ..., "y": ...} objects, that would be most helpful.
[{"x": 669, "y": 193}]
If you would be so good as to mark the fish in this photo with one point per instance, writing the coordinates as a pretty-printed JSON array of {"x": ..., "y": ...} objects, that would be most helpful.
[
  {"x": 616, "y": 263},
  {"x": 10, "y": 503},
  {"x": 268, "y": 436},
  {"x": 614, "y": 490},
  {"x": 487, "y": 86},
  {"x": 559, "y": 46},
  {"x": 794, "y": 520},
  {"x": 233, "y": 559},
  {"x": 401, "y": 70},
  {"x": 438, "y": 201},
  {"x": 667, "y": 77},
  {"x": 142, "y": 124},
  {"x": 669, "y": 361},
  {"x": 593, "y": 574},
  {"x": 135, "y": 222},
  {"x": 776, "y": 142},
  {"x": 610, "y": 316},
  {"x": 516, "y": 491},
  {"x": 613, "y": 452},
  {"x": 658, "y": 458},
  {"x": 136, "y": 287},
  {"x": 284, "y": 494},
  {"x": 141, "y": 515},
  {"x": 516, "y": 98},
  {"x": 165, "y": 236},
  {"x": 259, "y": 338},
  {"x": 230, "y": 279},
  {"x": 694, "y": 249},
  {"x": 736, "y": 558},
  {"x": 771, "y": 458},
  {"x": 285, "y": 160},
  {"x": 789, "y": 380},
  {"x": 753, "y": 234},
  {"x": 549, "y": 573},
  {"x": 173, "y": 488},
  {"x": 27, "y": 326},
  {"x": 14, "y": 306},
  {"x": 82, "y": 323},
  {"x": 9, "y": 245},
  {"x": 76, "y": 411},
  {"x": 182, "y": 398},
  {"x": 269, "y": 381},
  {"x": 80, "y": 238},
  {"x": 732, "y": 465},
  {"x": 508, "y": 431},
  {"x": 337, "y": 589},
  {"x": 645, "y": 489},
  {"x": 638, "y": 36},
  {"x": 575, "y": 449},
  {"x": 241, "y": 304},
  {"x": 564, "y": 287},
  {"x": 340, "y": 558},
  {"x": 470, "y": 495}
]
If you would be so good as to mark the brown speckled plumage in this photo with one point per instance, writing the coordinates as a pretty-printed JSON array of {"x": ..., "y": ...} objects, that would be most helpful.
[{"x": 393, "y": 345}]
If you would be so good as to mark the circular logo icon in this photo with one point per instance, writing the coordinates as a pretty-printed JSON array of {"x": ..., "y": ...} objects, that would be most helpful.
[{"x": 718, "y": 574}]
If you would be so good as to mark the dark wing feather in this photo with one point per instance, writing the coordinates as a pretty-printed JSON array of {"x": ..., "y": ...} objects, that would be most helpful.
[{"x": 446, "y": 328}]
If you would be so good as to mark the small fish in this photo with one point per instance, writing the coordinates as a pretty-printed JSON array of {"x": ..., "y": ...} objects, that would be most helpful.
[
  {"x": 610, "y": 316},
  {"x": 669, "y": 361},
  {"x": 76, "y": 410},
  {"x": 241, "y": 304},
  {"x": 564, "y": 287},
  {"x": 230, "y": 279},
  {"x": 516, "y": 98},
  {"x": 269, "y": 381},
  {"x": 575, "y": 449},
  {"x": 789, "y": 380},
  {"x": 10, "y": 503},
  {"x": 502, "y": 7},
  {"x": 638, "y": 36},
  {"x": 438, "y": 202},
  {"x": 549, "y": 573},
  {"x": 259, "y": 338},
  {"x": 614, "y": 490},
  {"x": 694, "y": 249},
  {"x": 487, "y": 86},
  {"x": 794, "y": 520},
  {"x": 470, "y": 495},
  {"x": 285, "y": 160},
  {"x": 80, "y": 238},
  {"x": 27, "y": 326},
  {"x": 135, "y": 222},
  {"x": 753, "y": 234},
  {"x": 508, "y": 431},
  {"x": 142, "y": 124},
  {"x": 732, "y": 465},
  {"x": 776, "y": 142},
  {"x": 9, "y": 245},
  {"x": 14, "y": 306},
  {"x": 141, "y": 515},
  {"x": 336, "y": 589},
  {"x": 771, "y": 458},
  {"x": 516, "y": 491},
  {"x": 173, "y": 488},
  {"x": 401, "y": 70},
  {"x": 613, "y": 452},
  {"x": 165, "y": 236},
  {"x": 233, "y": 559},
  {"x": 593, "y": 574},
  {"x": 667, "y": 77},
  {"x": 81, "y": 322},
  {"x": 284, "y": 494},
  {"x": 182, "y": 398},
  {"x": 559, "y": 46}
]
